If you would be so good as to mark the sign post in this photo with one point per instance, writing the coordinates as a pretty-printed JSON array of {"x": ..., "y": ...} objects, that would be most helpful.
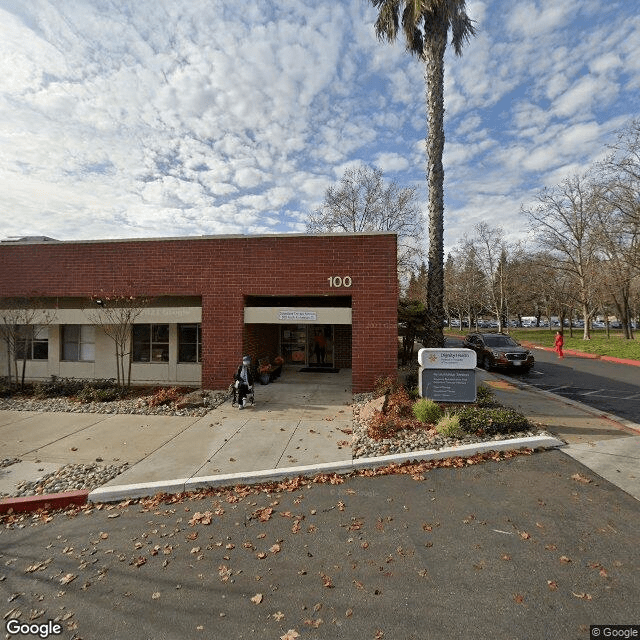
[{"x": 447, "y": 375}]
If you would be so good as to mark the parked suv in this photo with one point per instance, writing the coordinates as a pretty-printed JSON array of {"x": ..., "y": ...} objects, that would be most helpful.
[{"x": 498, "y": 350}]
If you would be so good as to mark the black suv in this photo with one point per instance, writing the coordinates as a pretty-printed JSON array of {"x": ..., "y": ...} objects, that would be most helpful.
[{"x": 498, "y": 350}]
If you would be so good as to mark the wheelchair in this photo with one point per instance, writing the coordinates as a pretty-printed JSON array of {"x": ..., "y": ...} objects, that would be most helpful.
[{"x": 249, "y": 398}]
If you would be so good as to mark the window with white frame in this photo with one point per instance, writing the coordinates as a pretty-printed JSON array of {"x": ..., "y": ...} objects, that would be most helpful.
[
  {"x": 150, "y": 342},
  {"x": 32, "y": 342},
  {"x": 189, "y": 343},
  {"x": 78, "y": 342}
]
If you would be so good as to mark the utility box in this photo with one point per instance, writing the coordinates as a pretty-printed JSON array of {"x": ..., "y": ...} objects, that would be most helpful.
[{"x": 447, "y": 375}]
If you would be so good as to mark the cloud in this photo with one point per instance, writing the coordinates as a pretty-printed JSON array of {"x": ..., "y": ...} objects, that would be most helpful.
[{"x": 172, "y": 117}]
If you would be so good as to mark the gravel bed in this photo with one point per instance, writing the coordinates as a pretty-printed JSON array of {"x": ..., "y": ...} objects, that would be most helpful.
[
  {"x": 71, "y": 477},
  {"x": 410, "y": 440},
  {"x": 212, "y": 400}
]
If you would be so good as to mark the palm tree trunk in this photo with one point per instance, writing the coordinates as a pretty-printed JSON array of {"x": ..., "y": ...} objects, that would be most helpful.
[{"x": 435, "y": 44}]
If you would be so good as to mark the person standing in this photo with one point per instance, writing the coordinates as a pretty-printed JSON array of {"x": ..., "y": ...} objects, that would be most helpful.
[
  {"x": 320, "y": 346},
  {"x": 559, "y": 344}
]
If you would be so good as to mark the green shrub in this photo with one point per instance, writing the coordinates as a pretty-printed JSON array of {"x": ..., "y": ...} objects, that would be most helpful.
[
  {"x": 492, "y": 421},
  {"x": 427, "y": 410},
  {"x": 449, "y": 425},
  {"x": 485, "y": 396},
  {"x": 100, "y": 391},
  {"x": 58, "y": 387}
]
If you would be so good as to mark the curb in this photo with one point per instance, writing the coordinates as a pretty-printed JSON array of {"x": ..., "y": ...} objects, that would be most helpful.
[
  {"x": 47, "y": 501},
  {"x": 118, "y": 493}
]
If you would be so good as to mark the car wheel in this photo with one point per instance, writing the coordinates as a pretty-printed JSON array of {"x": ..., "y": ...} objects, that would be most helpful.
[{"x": 486, "y": 363}]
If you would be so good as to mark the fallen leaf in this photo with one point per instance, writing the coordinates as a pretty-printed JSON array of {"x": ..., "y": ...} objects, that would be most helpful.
[
  {"x": 155, "y": 595},
  {"x": 578, "y": 477},
  {"x": 66, "y": 579},
  {"x": 553, "y": 585},
  {"x": 278, "y": 615},
  {"x": 327, "y": 583},
  {"x": 565, "y": 560},
  {"x": 257, "y": 599},
  {"x": 519, "y": 599},
  {"x": 505, "y": 556},
  {"x": 582, "y": 596},
  {"x": 524, "y": 535},
  {"x": 275, "y": 548},
  {"x": 292, "y": 634}
]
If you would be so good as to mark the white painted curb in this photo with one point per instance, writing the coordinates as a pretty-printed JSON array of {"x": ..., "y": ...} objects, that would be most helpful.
[{"x": 118, "y": 493}]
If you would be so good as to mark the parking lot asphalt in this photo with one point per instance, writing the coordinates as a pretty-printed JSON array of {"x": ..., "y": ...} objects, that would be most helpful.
[{"x": 530, "y": 548}]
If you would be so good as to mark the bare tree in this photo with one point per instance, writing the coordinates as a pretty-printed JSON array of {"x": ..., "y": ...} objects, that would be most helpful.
[
  {"x": 564, "y": 222},
  {"x": 116, "y": 315},
  {"x": 623, "y": 173},
  {"x": 364, "y": 202},
  {"x": 465, "y": 288},
  {"x": 490, "y": 250},
  {"x": 20, "y": 319}
]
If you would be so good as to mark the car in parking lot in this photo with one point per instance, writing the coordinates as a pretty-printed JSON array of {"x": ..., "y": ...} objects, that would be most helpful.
[{"x": 499, "y": 350}]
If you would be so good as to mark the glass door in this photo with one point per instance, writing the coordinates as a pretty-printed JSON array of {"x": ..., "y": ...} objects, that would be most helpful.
[
  {"x": 307, "y": 344},
  {"x": 293, "y": 343}
]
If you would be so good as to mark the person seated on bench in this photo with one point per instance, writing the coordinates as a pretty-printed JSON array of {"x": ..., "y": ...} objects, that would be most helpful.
[{"x": 243, "y": 381}]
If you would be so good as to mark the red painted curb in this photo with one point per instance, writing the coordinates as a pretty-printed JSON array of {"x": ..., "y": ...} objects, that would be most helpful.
[
  {"x": 633, "y": 363},
  {"x": 48, "y": 501}
]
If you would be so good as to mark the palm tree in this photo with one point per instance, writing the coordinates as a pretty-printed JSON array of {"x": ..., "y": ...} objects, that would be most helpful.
[{"x": 426, "y": 24}]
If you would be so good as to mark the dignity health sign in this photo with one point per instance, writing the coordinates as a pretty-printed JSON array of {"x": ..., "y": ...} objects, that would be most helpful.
[
  {"x": 447, "y": 358},
  {"x": 447, "y": 375}
]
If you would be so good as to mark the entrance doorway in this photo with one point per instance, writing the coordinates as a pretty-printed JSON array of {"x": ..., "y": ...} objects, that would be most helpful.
[{"x": 310, "y": 345}]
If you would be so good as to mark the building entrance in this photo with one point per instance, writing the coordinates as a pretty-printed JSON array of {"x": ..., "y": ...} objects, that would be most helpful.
[{"x": 311, "y": 345}]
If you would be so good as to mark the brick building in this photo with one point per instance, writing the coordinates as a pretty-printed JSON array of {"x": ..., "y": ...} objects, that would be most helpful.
[{"x": 212, "y": 300}]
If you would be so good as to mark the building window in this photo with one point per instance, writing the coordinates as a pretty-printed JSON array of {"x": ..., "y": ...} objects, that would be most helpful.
[
  {"x": 151, "y": 343},
  {"x": 78, "y": 343},
  {"x": 32, "y": 342},
  {"x": 189, "y": 344}
]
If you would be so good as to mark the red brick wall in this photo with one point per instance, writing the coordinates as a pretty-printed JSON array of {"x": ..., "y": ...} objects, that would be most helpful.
[
  {"x": 342, "y": 346},
  {"x": 223, "y": 270}
]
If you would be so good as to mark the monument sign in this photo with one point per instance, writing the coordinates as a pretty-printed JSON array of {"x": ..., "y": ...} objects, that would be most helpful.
[{"x": 447, "y": 375}]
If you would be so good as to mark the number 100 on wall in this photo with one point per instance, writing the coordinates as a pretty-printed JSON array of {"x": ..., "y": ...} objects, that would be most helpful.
[{"x": 337, "y": 281}]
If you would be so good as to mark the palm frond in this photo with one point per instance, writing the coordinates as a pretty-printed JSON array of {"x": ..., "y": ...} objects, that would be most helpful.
[{"x": 386, "y": 25}]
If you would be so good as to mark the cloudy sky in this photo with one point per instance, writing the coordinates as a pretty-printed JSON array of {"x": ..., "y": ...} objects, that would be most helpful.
[{"x": 147, "y": 118}]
